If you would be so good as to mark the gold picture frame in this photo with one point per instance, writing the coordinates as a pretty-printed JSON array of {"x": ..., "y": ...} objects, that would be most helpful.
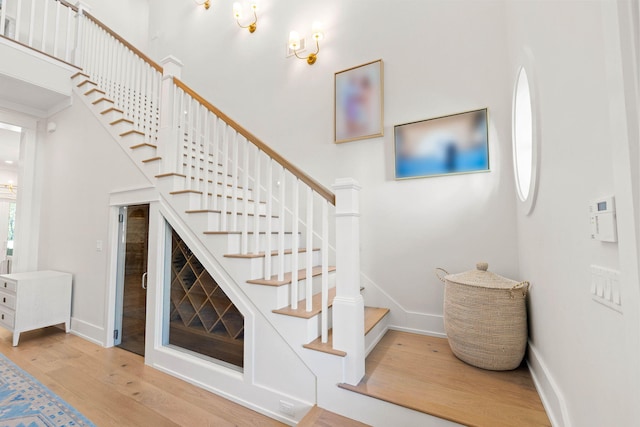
[{"x": 358, "y": 102}]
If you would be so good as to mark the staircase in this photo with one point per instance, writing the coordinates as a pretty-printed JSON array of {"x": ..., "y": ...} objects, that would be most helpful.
[
  {"x": 289, "y": 245},
  {"x": 285, "y": 245}
]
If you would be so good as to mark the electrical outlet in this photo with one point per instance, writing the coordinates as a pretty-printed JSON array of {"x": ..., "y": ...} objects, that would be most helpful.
[{"x": 287, "y": 408}]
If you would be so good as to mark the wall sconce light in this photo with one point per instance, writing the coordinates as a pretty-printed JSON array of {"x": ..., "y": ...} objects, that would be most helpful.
[
  {"x": 316, "y": 34},
  {"x": 237, "y": 13},
  {"x": 205, "y": 3}
]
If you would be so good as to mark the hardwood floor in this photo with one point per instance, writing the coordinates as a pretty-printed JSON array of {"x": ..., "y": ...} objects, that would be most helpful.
[
  {"x": 113, "y": 387},
  {"x": 318, "y": 417},
  {"x": 421, "y": 373}
]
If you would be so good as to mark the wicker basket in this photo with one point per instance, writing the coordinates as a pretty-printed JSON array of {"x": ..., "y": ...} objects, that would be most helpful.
[{"x": 485, "y": 318}]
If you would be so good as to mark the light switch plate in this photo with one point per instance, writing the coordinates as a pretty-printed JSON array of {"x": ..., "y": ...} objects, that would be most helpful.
[{"x": 605, "y": 287}]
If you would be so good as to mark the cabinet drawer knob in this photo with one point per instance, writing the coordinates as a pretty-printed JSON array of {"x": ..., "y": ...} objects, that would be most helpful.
[
  {"x": 4, "y": 299},
  {"x": 3, "y": 317},
  {"x": 5, "y": 284}
]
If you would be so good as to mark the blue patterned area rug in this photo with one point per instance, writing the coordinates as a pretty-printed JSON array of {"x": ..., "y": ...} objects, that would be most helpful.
[{"x": 25, "y": 402}]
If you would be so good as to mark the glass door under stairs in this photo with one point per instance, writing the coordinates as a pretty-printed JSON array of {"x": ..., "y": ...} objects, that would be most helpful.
[{"x": 131, "y": 297}]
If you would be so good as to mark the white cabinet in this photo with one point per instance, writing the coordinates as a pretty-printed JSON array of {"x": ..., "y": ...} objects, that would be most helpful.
[{"x": 34, "y": 300}]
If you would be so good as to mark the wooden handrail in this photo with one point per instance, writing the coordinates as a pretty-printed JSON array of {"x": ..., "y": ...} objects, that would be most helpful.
[
  {"x": 315, "y": 186},
  {"x": 69, "y": 5},
  {"x": 124, "y": 42}
]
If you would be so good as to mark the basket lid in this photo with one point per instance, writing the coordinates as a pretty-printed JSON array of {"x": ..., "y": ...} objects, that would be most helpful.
[{"x": 482, "y": 278}]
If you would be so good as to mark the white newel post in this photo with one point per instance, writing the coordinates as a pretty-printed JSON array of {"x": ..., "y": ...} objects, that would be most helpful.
[
  {"x": 77, "y": 53},
  {"x": 168, "y": 135},
  {"x": 348, "y": 305}
]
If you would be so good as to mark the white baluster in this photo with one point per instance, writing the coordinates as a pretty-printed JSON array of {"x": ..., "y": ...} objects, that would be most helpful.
[
  {"x": 245, "y": 197},
  {"x": 309, "y": 251},
  {"x": 32, "y": 21},
  {"x": 56, "y": 30},
  {"x": 234, "y": 182},
  {"x": 325, "y": 271},
  {"x": 217, "y": 129},
  {"x": 18, "y": 20},
  {"x": 295, "y": 255},
  {"x": 206, "y": 154},
  {"x": 256, "y": 206},
  {"x": 67, "y": 43},
  {"x": 197, "y": 138},
  {"x": 282, "y": 225},
  {"x": 225, "y": 175},
  {"x": 3, "y": 16},
  {"x": 44, "y": 26},
  {"x": 267, "y": 253},
  {"x": 181, "y": 133}
]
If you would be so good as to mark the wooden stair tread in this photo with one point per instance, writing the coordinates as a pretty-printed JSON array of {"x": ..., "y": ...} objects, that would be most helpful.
[
  {"x": 224, "y": 233},
  {"x": 132, "y": 132},
  {"x": 153, "y": 159},
  {"x": 110, "y": 109},
  {"x": 80, "y": 73},
  {"x": 102, "y": 99},
  {"x": 316, "y": 306},
  {"x": 372, "y": 315},
  {"x": 302, "y": 274},
  {"x": 95, "y": 89},
  {"x": 327, "y": 347},
  {"x": 84, "y": 82},
  {"x": 228, "y": 213},
  {"x": 115, "y": 122},
  {"x": 262, "y": 254},
  {"x": 144, "y": 144}
]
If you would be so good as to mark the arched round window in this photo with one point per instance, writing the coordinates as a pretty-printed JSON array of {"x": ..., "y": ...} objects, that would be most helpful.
[{"x": 525, "y": 144}]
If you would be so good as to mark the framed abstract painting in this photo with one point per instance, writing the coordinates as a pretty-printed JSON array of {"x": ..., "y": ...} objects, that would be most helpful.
[
  {"x": 453, "y": 144},
  {"x": 359, "y": 102}
]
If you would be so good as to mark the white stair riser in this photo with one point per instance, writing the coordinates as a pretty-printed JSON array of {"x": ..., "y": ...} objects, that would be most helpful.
[
  {"x": 253, "y": 268},
  {"x": 111, "y": 116},
  {"x": 284, "y": 300},
  {"x": 152, "y": 169},
  {"x": 306, "y": 329},
  {"x": 121, "y": 127},
  {"x": 316, "y": 286},
  {"x": 144, "y": 152},
  {"x": 234, "y": 241},
  {"x": 102, "y": 105},
  {"x": 211, "y": 221},
  {"x": 132, "y": 139},
  {"x": 94, "y": 95}
]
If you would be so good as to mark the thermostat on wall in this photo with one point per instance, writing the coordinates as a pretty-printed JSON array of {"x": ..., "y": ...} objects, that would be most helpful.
[{"x": 602, "y": 216}]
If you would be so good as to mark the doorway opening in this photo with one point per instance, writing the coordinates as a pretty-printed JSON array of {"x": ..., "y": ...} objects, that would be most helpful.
[
  {"x": 10, "y": 137},
  {"x": 131, "y": 294}
]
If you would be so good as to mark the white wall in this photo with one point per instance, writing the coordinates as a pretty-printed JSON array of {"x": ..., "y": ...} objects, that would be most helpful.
[
  {"x": 581, "y": 343},
  {"x": 83, "y": 164},
  {"x": 128, "y": 18},
  {"x": 437, "y": 61}
]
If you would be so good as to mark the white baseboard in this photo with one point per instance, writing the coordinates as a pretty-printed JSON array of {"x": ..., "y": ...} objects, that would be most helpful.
[
  {"x": 88, "y": 331},
  {"x": 401, "y": 319},
  {"x": 550, "y": 394}
]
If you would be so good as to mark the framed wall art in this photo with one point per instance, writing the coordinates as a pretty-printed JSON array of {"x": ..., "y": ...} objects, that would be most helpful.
[
  {"x": 359, "y": 102},
  {"x": 453, "y": 144}
]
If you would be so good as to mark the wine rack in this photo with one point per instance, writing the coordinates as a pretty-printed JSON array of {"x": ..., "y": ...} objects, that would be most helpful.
[{"x": 203, "y": 319}]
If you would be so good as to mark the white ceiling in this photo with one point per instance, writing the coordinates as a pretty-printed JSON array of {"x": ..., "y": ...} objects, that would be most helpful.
[{"x": 28, "y": 97}]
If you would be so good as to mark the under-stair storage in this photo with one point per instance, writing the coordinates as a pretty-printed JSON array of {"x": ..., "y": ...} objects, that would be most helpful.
[{"x": 202, "y": 317}]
